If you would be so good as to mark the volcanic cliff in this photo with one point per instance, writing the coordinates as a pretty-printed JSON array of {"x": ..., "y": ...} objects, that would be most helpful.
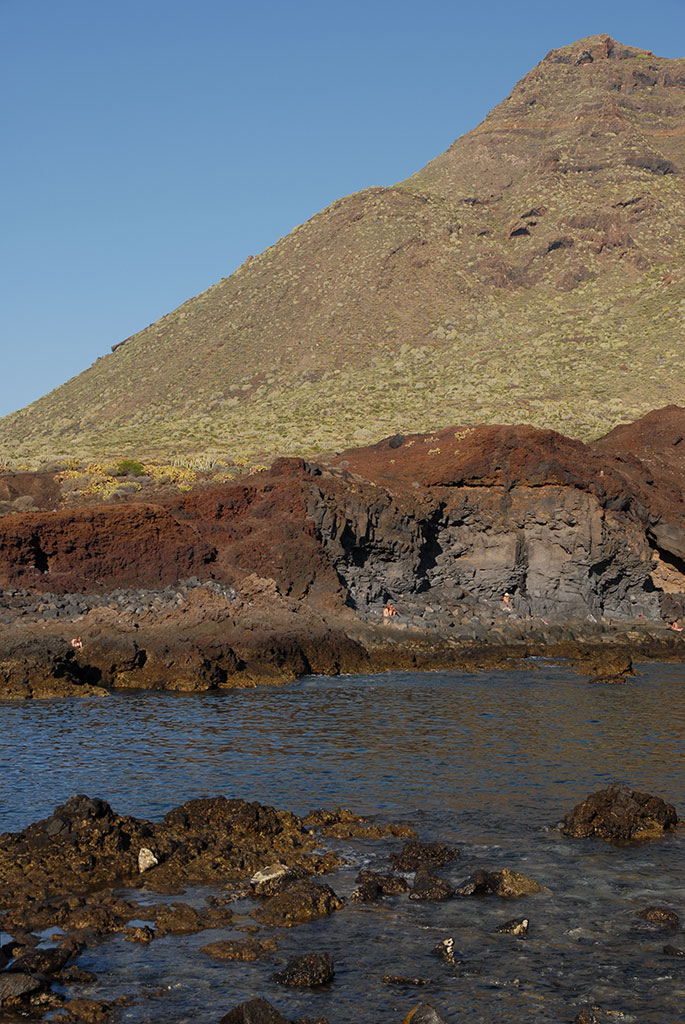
[{"x": 572, "y": 529}]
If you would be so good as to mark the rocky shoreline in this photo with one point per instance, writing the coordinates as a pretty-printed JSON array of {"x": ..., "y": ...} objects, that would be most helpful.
[
  {"x": 198, "y": 636},
  {"x": 87, "y": 873},
  {"x": 286, "y": 572}
]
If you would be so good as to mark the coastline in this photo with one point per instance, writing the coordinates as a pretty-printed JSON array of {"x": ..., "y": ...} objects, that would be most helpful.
[{"x": 204, "y": 639}]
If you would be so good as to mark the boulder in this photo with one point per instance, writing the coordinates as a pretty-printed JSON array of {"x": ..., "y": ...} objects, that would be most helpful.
[
  {"x": 414, "y": 854},
  {"x": 517, "y": 926},
  {"x": 445, "y": 951},
  {"x": 90, "y": 1011},
  {"x": 300, "y": 902},
  {"x": 307, "y": 971},
  {"x": 248, "y": 950},
  {"x": 662, "y": 917},
  {"x": 619, "y": 814},
  {"x": 374, "y": 885},
  {"x": 428, "y": 886},
  {"x": 142, "y": 934},
  {"x": 15, "y": 986},
  {"x": 254, "y": 1011},
  {"x": 272, "y": 879},
  {"x": 506, "y": 883},
  {"x": 424, "y": 1013}
]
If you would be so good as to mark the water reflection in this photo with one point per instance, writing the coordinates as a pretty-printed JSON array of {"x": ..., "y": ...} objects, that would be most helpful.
[
  {"x": 522, "y": 744},
  {"x": 485, "y": 761}
]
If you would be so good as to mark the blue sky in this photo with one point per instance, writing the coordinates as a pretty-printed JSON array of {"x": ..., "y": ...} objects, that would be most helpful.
[{"x": 151, "y": 145}]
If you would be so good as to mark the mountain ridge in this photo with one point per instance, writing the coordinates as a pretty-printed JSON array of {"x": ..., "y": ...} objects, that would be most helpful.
[{"x": 532, "y": 272}]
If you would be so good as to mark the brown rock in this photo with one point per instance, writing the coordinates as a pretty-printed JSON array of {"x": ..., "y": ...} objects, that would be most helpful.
[
  {"x": 307, "y": 971},
  {"x": 16, "y": 987},
  {"x": 232, "y": 949},
  {"x": 424, "y": 1013},
  {"x": 302, "y": 901},
  {"x": 428, "y": 886},
  {"x": 91, "y": 1011},
  {"x": 618, "y": 814},
  {"x": 254, "y": 1011},
  {"x": 506, "y": 883},
  {"x": 661, "y": 916},
  {"x": 142, "y": 934},
  {"x": 414, "y": 854}
]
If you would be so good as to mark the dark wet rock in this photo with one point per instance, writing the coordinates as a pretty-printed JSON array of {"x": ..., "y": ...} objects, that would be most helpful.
[
  {"x": 90, "y": 1011},
  {"x": 254, "y": 1011},
  {"x": 44, "y": 961},
  {"x": 428, "y": 886},
  {"x": 311, "y": 1020},
  {"x": 445, "y": 951},
  {"x": 608, "y": 666},
  {"x": 85, "y": 847},
  {"x": 414, "y": 854},
  {"x": 74, "y": 975},
  {"x": 142, "y": 933},
  {"x": 517, "y": 926},
  {"x": 673, "y": 951},
  {"x": 177, "y": 919},
  {"x": 300, "y": 902},
  {"x": 272, "y": 879},
  {"x": 424, "y": 1013},
  {"x": 345, "y": 824},
  {"x": 374, "y": 885},
  {"x": 368, "y": 892},
  {"x": 307, "y": 971},
  {"x": 661, "y": 916},
  {"x": 506, "y": 883},
  {"x": 402, "y": 981},
  {"x": 585, "y": 1017},
  {"x": 16, "y": 986},
  {"x": 233, "y": 949},
  {"x": 619, "y": 814}
]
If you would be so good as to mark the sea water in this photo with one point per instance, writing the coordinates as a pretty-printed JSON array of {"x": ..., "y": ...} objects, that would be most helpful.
[{"x": 488, "y": 762}]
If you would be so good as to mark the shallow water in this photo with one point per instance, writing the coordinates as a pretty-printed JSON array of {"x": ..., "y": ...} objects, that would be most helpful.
[{"x": 487, "y": 762}]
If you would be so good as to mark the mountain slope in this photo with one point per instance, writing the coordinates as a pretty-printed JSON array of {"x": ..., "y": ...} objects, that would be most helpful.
[{"x": 532, "y": 273}]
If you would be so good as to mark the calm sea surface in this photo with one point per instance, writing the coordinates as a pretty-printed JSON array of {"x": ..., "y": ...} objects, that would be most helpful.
[{"x": 487, "y": 762}]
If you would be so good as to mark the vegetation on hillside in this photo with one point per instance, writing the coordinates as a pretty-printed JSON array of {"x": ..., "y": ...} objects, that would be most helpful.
[{"x": 532, "y": 273}]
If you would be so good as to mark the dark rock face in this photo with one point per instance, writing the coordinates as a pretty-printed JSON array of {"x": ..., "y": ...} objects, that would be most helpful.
[
  {"x": 662, "y": 917},
  {"x": 307, "y": 971},
  {"x": 415, "y": 854},
  {"x": 254, "y": 1011},
  {"x": 517, "y": 926},
  {"x": 528, "y": 512},
  {"x": 374, "y": 885},
  {"x": 506, "y": 883},
  {"x": 232, "y": 949},
  {"x": 618, "y": 814},
  {"x": 424, "y": 1013},
  {"x": 428, "y": 886},
  {"x": 15, "y": 986},
  {"x": 301, "y": 902}
]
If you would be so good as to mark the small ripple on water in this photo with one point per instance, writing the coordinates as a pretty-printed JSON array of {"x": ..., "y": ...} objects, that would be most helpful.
[{"x": 486, "y": 762}]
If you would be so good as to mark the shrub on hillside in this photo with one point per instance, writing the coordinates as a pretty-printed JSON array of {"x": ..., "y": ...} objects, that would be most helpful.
[{"x": 128, "y": 467}]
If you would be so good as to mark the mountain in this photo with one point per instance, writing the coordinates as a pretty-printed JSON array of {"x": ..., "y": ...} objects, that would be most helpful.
[{"x": 532, "y": 273}]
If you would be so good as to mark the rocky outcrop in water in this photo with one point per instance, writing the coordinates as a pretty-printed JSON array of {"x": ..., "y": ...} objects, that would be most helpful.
[{"x": 619, "y": 814}]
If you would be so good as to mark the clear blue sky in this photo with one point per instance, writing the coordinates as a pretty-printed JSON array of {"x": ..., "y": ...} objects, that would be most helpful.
[{"x": 150, "y": 145}]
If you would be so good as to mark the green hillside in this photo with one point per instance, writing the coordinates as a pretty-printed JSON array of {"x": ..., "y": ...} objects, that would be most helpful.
[{"x": 532, "y": 273}]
